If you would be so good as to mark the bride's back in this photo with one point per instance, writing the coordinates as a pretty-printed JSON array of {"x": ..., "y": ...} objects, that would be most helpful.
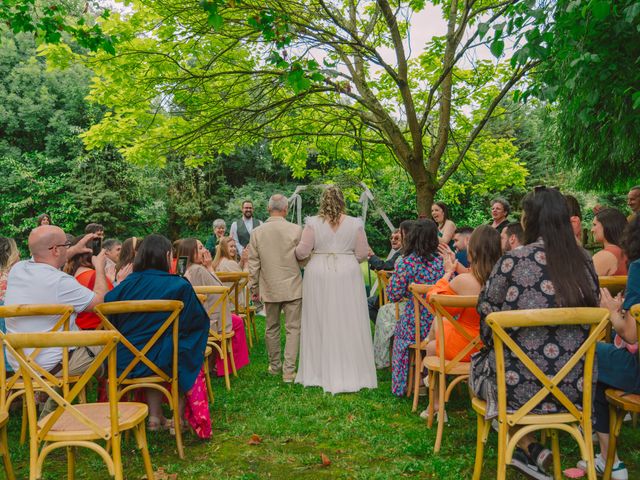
[{"x": 340, "y": 240}]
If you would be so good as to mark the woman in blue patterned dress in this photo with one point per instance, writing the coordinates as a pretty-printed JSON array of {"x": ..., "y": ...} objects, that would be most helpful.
[{"x": 421, "y": 264}]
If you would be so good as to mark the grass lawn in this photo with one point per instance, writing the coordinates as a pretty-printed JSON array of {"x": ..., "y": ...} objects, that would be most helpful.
[{"x": 370, "y": 435}]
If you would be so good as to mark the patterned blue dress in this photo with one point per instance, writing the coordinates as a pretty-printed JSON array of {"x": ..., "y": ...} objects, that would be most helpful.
[{"x": 411, "y": 269}]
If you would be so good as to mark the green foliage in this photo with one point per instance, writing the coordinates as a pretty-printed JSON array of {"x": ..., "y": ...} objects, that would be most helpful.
[
  {"x": 49, "y": 20},
  {"x": 595, "y": 80}
]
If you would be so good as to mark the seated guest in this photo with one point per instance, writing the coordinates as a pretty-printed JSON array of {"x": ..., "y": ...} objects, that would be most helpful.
[
  {"x": 198, "y": 275},
  {"x": 512, "y": 237},
  {"x": 376, "y": 263},
  {"x": 386, "y": 315},
  {"x": 82, "y": 269},
  {"x": 608, "y": 225},
  {"x": 40, "y": 280},
  {"x": 551, "y": 270},
  {"x": 226, "y": 259},
  {"x": 112, "y": 247},
  {"x": 420, "y": 264},
  {"x": 43, "y": 219},
  {"x": 500, "y": 209},
  {"x": 446, "y": 228},
  {"x": 151, "y": 280},
  {"x": 618, "y": 361},
  {"x": 124, "y": 265},
  {"x": 633, "y": 202},
  {"x": 575, "y": 216},
  {"x": 219, "y": 229},
  {"x": 95, "y": 228},
  {"x": 484, "y": 252},
  {"x": 460, "y": 243}
]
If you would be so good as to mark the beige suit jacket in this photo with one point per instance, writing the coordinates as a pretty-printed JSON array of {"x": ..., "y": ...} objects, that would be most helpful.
[{"x": 274, "y": 272}]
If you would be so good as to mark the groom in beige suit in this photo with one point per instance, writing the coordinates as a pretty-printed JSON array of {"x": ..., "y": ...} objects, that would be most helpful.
[{"x": 275, "y": 279}]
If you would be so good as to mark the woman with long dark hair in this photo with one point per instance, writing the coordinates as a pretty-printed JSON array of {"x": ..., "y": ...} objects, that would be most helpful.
[
  {"x": 151, "y": 280},
  {"x": 420, "y": 264},
  {"x": 551, "y": 270},
  {"x": 618, "y": 361},
  {"x": 608, "y": 225}
]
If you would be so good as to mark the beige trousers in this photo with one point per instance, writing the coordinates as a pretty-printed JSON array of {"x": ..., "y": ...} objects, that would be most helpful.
[{"x": 292, "y": 316}]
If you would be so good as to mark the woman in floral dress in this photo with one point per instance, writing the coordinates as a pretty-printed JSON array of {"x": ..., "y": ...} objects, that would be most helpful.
[
  {"x": 550, "y": 271},
  {"x": 421, "y": 264}
]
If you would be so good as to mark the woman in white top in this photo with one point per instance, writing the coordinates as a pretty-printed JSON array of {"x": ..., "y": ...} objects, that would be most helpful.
[
  {"x": 336, "y": 350},
  {"x": 227, "y": 261}
]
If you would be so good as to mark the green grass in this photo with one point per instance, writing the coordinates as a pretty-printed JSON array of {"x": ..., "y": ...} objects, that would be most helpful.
[{"x": 371, "y": 435}]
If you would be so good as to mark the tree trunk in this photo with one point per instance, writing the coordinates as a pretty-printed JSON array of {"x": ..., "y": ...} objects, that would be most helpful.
[{"x": 424, "y": 199}]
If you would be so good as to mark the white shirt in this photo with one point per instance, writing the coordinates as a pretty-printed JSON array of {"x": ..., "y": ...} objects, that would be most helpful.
[
  {"x": 30, "y": 282},
  {"x": 234, "y": 232}
]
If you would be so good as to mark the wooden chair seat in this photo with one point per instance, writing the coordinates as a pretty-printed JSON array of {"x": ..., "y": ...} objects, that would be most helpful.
[
  {"x": 214, "y": 337},
  {"x": 548, "y": 419},
  {"x": 68, "y": 427},
  {"x": 629, "y": 402},
  {"x": 460, "y": 368}
]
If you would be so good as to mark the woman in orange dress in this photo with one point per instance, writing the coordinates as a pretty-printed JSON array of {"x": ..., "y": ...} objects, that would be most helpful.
[{"x": 484, "y": 251}]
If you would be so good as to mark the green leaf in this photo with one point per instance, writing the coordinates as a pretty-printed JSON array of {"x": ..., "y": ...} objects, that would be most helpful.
[
  {"x": 483, "y": 28},
  {"x": 497, "y": 47},
  {"x": 635, "y": 98},
  {"x": 600, "y": 10}
]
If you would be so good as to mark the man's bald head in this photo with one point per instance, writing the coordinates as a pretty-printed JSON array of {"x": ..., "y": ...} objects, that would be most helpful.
[{"x": 41, "y": 239}]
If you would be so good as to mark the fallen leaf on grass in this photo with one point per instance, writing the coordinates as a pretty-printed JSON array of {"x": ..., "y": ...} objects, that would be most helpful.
[
  {"x": 325, "y": 460},
  {"x": 351, "y": 417},
  {"x": 160, "y": 474},
  {"x": 255, "y": 440}
]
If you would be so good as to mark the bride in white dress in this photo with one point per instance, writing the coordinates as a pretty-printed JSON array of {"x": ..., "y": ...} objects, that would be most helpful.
[{"x": 336, "y": 350}]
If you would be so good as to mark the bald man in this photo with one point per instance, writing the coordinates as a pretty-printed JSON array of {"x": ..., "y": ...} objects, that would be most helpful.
[{"x": 40, "y": 280}]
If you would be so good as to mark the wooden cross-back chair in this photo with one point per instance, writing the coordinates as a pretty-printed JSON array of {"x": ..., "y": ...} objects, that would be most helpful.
[
  {"x": 419, "y": 295},
  {"x": 575, "y": 421},
  {"x": 158, "y": 378},
  {"x": 619, "y": 403},
  {"x": 439, "y": 367},
  {"x": 615, "y": 284},
  {"x": 80, "y": 425},
  {"x": 220, "y": 341},
  {"x": 14, "y": 383},
  {"x": 239, "y": 283},
  {"x": 383, "y": 280}
]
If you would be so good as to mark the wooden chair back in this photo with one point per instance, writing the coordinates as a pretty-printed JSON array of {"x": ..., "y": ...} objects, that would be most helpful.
[
  {"x": 383, "y": 281},
  {"x": 615, "y": 283},
  {"x": 597, "y": 320},
  {"x": 239, "y": 281},
  {"x": 419, "y": 293},
  {"x": 132, "y": 307},
  {"x": 17, "y": 343},
  {"x": 440, "y": 303},
  {"x": 221, "y": 302},
  {"x": 62, "y": 324}
]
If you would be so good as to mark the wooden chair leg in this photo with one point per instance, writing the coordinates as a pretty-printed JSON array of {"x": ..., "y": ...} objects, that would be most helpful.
[
  {"x": 442, "y": 387},
  {"x": 634, "y": 419},
  {"x": 253, "y": 326},
  {"x": 416, "y": 381},
  {"x": 4, "y": 447},
  {"x": 410, "y": 373},
  {"x": 225, "y": 366},
  {"x": 433, "y": 378},
  {"x": 207, "y": 379},
  {"x": 177, "y": 423},
  {"x": 247, "y": 327},
  {"x": 480, "y": 441},
  {"x": 141, "y": 439},
  {"x": 232, "y": 359},
  {"x": 615, "y": 422},
  {"x": 501, "y": 473},
  {"x": 555, "y": 448},
  {"x": 23, "y": 427},
  {"x": 71, "y": 463},
  {"x": 116, "y": 454}
]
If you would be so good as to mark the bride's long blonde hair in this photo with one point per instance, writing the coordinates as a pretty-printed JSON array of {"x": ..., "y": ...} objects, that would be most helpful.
[{"x": 331, "y": 205}]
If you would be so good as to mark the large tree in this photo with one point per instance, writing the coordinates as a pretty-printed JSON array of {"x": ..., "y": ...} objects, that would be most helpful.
[{"x": 333, "y": 78}]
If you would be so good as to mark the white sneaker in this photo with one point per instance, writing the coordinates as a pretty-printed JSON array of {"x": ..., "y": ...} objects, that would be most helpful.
[
  {"x": 425, "y": 414},
  {"x": 618, "y": 472}
]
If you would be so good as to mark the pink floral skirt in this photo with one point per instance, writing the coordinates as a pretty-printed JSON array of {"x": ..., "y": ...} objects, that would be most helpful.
[{"x": 239, "y": 345}]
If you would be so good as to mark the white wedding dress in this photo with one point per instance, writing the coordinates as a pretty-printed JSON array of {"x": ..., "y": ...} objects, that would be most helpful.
[{"x": 336, "y": 350}]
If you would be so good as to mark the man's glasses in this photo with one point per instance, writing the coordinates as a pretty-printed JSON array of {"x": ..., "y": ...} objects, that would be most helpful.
[{"x": 66, "y": 245}]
